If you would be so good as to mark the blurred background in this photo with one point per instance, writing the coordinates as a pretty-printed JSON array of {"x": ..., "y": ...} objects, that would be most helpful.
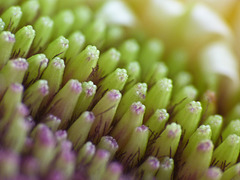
[{"x": 208, "y": 31}]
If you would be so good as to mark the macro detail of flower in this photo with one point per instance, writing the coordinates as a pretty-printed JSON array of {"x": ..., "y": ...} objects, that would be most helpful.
[{"x": 119, "y": 90}]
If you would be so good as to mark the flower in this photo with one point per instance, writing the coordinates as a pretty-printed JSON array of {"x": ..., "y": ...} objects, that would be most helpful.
[{"x": 91, "y": 91}]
